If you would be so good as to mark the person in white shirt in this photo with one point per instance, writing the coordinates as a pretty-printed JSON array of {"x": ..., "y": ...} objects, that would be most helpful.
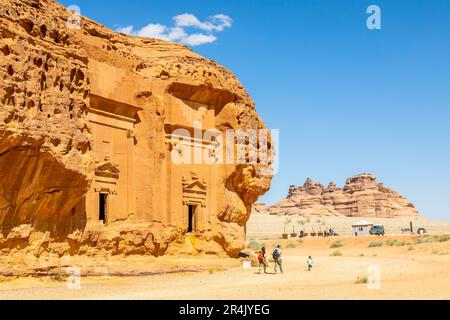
[{"x": 310, "y": 263}]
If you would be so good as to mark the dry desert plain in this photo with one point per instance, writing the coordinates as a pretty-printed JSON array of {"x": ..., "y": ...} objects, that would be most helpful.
[{"x": 410, "y": 269}]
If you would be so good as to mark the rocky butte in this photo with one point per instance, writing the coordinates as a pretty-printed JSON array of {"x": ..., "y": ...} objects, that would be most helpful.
[
  {"x": 87, "y": 122},
  {"x": 361, "y": 196}
]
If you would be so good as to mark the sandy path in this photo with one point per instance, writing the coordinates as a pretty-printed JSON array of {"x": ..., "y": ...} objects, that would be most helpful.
[{"x": 423, "y": 273}]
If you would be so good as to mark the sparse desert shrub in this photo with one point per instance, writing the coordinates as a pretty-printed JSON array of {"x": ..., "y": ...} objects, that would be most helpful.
[
  {"x": 361, "y": 254},
  {"x": 60, "y": 275},
  {"x": 391, "y": 242},
  {"x": 361, "y": 279},
  {"x": 435, "y": 252},
  {"x": 211, "y": 271},
  {"x": 291, "y": 245},
  {"x": 401, "y": 243},
  {"x": 426, "y": 239},
  {"x": 336, "y": 254},
  {"x": 376, "y": 243},
  {"x": 337, "y": 244},
  {"x": 444, "y": 238},
  {"x": 432, "y": 239},
  {"x": 253, "y": 245},
  {"x": 411, "y": 248}
]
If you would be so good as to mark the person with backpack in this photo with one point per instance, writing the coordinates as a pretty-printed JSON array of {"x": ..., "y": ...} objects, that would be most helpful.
[
  {"x": 310, "y": 263},
  {"x": 262, "y": 260},
  {"x": 276, "y": 255}
]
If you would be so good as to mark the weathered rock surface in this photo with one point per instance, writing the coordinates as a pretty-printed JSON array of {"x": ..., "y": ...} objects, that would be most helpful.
[
  {"x": 260, "y": 207},
  {"x": 49, "y": 76},
  {"x": 45, "y": 163},
  {"x": 361, "y": 196}
]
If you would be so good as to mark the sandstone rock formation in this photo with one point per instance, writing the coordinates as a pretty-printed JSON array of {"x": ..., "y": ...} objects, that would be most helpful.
[
  {"x": 361, "y": 196},
  {"x": 87, "y": 119},
  {"x": 260, "y": 207}
]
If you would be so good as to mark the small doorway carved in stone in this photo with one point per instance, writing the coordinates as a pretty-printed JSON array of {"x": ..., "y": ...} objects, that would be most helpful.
[
  {"x": 103, "y": 207},
  {"x": 191, "y": 218}
]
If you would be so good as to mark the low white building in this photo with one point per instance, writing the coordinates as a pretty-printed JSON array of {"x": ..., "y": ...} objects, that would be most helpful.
[{"x": 361, "y": 228}]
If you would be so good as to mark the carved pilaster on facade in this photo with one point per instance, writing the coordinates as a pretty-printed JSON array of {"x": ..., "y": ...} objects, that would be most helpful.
[{"x": 184, "y": 182}]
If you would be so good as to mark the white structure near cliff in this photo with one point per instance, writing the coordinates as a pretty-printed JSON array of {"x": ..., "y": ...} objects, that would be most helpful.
[{"x": 361, "y": 228}]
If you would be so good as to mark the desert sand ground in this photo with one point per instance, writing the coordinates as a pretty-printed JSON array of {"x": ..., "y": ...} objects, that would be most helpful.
[{"x": 408, "y": 271}]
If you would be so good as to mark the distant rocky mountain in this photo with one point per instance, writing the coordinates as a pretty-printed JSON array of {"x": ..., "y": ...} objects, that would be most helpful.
[{"x": 361, "y": 196}]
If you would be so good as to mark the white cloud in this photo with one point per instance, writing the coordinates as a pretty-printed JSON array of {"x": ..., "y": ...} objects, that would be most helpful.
[
  {"x": 177, "y": 34},
  {"x": 152, "y": 31},
  {"x": 198, "y": 39},
  {"x": 126, "y": 30},
  {"x": 189, "y": 20},
  {"x": 224, "y": 22},
  {"x": 216, "y": 23}
]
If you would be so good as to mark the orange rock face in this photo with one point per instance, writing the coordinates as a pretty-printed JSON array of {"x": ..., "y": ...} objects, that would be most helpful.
[
  {"x": 90, "y": 121},
  {"x": 361, "y": 196}
]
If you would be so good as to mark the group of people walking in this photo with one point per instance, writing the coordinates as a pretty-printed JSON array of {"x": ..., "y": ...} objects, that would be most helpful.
[{"x": 277, "y": 259}]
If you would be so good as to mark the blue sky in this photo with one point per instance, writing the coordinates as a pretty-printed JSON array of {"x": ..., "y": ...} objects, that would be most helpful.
[{"x": 346, "y": 99}]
